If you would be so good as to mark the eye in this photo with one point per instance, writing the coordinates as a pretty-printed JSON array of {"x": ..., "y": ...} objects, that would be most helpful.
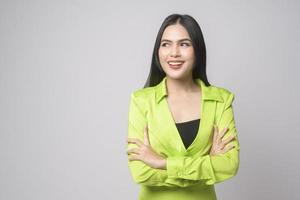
[
  {"x": 185, "y": 44},
  {"x": 164, "y": 44}
]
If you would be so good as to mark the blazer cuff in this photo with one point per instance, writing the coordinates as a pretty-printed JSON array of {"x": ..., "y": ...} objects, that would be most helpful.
[{"x": 175, "y": 167}]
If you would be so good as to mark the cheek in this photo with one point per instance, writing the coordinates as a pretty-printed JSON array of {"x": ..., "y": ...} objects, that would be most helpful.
[
  {"x": 189, "y": 55},
  {"x": 162, "y": 53}
]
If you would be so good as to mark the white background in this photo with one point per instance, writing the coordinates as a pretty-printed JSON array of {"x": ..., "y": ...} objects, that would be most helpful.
[{"x": 67, "y": 69}]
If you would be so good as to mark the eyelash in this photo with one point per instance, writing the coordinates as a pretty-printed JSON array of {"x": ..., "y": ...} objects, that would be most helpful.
[{"x": 187, "y": 44}]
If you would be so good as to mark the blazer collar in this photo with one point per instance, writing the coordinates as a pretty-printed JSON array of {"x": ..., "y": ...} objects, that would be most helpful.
[{"x": 208, "y": 92}]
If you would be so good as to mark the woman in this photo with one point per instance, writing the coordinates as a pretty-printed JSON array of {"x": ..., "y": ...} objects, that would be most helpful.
[{"x": 175, "y": 149}]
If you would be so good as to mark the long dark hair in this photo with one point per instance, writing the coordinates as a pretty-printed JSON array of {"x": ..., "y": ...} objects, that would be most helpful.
[{"x": 156, "y": 73}]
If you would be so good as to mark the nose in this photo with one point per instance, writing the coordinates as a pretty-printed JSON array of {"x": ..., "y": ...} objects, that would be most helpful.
[{"x": 175, "y": 51}]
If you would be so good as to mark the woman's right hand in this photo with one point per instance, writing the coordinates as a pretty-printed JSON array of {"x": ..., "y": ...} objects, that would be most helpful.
[{"x": 218, "y": 146}]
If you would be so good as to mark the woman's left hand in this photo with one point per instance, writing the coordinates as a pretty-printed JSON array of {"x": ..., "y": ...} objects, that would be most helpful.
[{"x": 145, "y": 153}]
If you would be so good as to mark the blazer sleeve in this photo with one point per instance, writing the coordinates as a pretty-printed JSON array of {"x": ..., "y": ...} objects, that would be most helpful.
[
  {"x": 141, "y": 173},
  {"x": 211, "y": 169}
]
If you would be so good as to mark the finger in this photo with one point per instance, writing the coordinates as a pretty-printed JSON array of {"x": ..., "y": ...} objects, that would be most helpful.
[
  {"x": 146, "y": 136},
  {"x": 227, "y": 140},
  {"x": 133, "y": 157},
  {"x": 133, "y": 150},
  {"x": 228, "y": 147},
  {"x": 223, "y": 132},
  {"x": 221, "y": 146},
  {"x": 135, "y": 141},
  {"x": 215, "y": 132}
]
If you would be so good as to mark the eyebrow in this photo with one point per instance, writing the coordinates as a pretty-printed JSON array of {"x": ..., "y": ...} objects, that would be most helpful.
[{"x": 184, "y": 39}]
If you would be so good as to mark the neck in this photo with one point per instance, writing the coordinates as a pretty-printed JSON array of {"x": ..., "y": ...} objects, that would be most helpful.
[{"x": 181, "y": 86}]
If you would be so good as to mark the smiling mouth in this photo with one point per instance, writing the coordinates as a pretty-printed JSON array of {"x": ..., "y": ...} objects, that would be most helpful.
[{"x": 175, "y": 65}]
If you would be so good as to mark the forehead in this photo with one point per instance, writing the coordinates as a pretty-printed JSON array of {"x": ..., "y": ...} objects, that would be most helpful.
[{"x": 175, "y": 32}]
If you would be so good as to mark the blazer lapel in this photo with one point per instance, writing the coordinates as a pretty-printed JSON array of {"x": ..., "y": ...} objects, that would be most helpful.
[{"x": 169, "y": 136}]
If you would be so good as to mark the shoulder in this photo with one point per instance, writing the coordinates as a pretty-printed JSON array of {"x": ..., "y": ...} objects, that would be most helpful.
[
  {"x": 225, "y": 94},
  {"x": 143, "y": 94}
]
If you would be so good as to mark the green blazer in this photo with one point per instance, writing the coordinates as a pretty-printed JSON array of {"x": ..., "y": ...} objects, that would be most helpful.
[{"x": 191, "y": 173}]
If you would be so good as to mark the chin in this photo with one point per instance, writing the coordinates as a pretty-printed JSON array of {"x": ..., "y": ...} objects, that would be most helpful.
[{"x": 176, "y": 75}]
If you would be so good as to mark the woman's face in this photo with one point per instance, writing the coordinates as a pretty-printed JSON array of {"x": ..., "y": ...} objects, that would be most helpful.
[{"x": 176, "y": 53}]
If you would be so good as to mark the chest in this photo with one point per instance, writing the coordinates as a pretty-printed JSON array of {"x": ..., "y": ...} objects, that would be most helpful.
[
  {"x": 163, "y": 133},
  {"x": 185, "y": 108}
]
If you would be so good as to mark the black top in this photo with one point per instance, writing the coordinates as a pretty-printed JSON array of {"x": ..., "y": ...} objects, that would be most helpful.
[{"x": 188, "y": 131}]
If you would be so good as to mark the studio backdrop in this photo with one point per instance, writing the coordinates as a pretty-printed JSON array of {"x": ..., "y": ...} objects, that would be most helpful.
[{"x": 68, "y": 67}]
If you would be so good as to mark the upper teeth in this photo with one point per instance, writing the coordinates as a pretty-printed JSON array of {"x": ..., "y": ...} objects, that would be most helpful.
[{"x": 175, "y": 63}]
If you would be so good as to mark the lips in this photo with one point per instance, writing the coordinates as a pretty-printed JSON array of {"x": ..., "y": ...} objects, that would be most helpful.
[{"x": 175, "y": 64}]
